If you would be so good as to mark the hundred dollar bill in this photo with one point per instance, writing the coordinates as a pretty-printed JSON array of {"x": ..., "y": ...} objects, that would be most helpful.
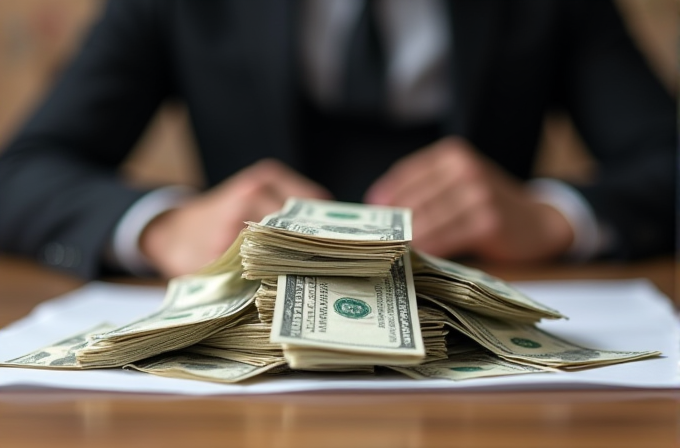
[
  {"x": 190, "y": 299},
  {"x": 265, "y": 298},
  {"x": 475, "y": 290},
  {"x": 331, "y": 220},
  {"x": 194, "y": 308},
  {"x": 356, "y": 320},
  {"x": 60, "y": 355},
  {"x": 247, "y": 341},
  {"x": 526, "y": 343},
  {"x": 315, "y": 237},
  {"x": 194, "y": 366},
  {"x": 468, "y": 366},
  {"x": 434, "y": 331}
]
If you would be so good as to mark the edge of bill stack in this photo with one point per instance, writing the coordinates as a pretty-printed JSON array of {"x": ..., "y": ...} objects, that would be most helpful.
[{"x": 317, "y": 237}]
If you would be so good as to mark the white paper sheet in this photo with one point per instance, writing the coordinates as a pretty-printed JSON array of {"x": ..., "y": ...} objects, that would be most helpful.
[{"x": 615, "y": 315}]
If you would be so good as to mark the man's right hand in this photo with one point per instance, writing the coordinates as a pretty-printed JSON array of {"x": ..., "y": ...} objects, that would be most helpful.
[{"x": 182, "y": 240}]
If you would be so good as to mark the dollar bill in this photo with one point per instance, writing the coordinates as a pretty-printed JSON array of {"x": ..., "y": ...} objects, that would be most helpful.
[
  {"x": 199, "y": 367},
  {"x": 247, "y": 341},
  {"x": 61, "y": 354},
  {"x": 332, "y": 220},
  {"x": 315, "y": 237},
  {"x": 192, "y": 299},
  {"x": 358, "y": 320},
  {"x": 194, "y": 308},
  {"x": 526, "y": 343},
  {"x": 475, "y": 290},
  {"x": 469, "y": 366}
]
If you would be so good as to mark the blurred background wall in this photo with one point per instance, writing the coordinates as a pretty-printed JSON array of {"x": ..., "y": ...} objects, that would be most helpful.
[{"x": 38, "y": 36}]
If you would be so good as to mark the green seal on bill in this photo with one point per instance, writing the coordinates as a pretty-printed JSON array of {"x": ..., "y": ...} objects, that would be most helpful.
[
  {"x": 526, "y": 343},
  {"x": 342, "y": 215},
  {"x": 467, "y": 369},
  {"x": 352, "y": 308}
]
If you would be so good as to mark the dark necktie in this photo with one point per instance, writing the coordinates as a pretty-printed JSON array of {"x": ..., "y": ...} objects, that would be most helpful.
[{"x": 364, "y": 83}]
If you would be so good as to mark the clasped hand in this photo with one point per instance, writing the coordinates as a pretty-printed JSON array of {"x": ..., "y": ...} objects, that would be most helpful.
[{"x": 462, "y": 203}]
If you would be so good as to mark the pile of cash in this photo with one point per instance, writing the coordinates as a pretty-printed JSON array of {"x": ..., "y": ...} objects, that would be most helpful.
[
  {"x": 328, "y": 286},
  {"x": 314, "y": 237},
  {"x": 474, "y": 290},
  {"x": 324, "y": 322},
  {"x": 194, "y": 308}
]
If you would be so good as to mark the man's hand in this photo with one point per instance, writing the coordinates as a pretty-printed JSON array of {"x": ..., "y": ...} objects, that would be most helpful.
[
  {"x": 463, "y": 204},
  {"x": 185, "y": 239}
]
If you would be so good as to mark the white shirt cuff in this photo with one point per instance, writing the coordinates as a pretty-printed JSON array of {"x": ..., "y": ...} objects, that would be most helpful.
[
  {"x": 590, "y": 237},
  {"x": 125, "y": 244}
]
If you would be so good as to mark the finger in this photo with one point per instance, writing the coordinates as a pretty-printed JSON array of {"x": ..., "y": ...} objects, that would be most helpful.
[
  {"x": 267, "y": 201},
  {"x": 286, "y": 182},
  {"x": 250, "y": 200},
  {"x": 272, "y": 173},
  {"x": 460, "y": 236},
  {"x": 400, "y": 178},
  {"x": 446, "y": 159},
  {"x": 445, "y": 208}
]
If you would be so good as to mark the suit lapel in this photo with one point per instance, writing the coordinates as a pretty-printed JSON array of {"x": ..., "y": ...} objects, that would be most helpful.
[{"x": 475, "y": 29}]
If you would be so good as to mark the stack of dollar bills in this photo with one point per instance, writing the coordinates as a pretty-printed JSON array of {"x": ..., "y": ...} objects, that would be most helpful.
[
  {"x": 330, "y": 286},
  {"x": 314, "y": 237}
]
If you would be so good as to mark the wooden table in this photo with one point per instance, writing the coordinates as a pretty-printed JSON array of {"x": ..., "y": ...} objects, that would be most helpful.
[{"x": 612, "y": 418}]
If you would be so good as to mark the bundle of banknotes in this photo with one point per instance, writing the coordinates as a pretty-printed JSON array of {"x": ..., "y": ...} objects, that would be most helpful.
[
  {"x": 314, "y": 237},
  {"x": 329, "y": 286}
]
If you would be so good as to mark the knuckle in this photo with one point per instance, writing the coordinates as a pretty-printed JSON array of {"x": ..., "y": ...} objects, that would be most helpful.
[
  {"x": 494, "y": 225},
  {"x": 248, "y": 189},
  {"x": 471, "y": 169},
  {"x": 268, "y": 167},
  {"x": 482, "y": 196},
  {"x": 488, "y": 223}
]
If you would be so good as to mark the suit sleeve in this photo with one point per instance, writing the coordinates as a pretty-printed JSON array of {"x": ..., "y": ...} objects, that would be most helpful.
[
  {"x": 627, "y": 119},
  {"x": 60, "y": 195}
]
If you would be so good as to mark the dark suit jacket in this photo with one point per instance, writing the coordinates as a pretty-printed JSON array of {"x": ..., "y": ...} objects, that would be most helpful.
[{"x": 234, "y": 65}]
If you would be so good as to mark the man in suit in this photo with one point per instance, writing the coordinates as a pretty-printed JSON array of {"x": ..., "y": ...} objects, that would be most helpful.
[{"x": 450, "y": 129}]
